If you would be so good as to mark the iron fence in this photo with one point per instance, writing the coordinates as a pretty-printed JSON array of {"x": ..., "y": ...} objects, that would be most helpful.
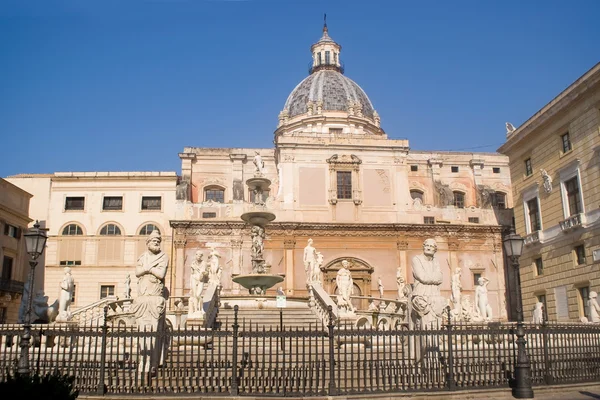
[{"x": 243, "y": 358}]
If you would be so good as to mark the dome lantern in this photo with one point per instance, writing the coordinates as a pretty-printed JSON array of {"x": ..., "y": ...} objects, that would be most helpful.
[{"x": 326, "y": 53}]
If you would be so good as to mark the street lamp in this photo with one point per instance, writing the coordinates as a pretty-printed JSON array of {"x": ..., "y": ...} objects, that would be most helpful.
[
  {"x": 35, "y": 242},
  {"x": 521, "y": 385}
]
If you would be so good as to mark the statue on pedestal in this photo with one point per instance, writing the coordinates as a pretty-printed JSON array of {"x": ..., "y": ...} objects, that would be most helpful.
[
  {"x": 481, "y": 299},
  {"x": 400, "y": 282},
  {"x": 198, "y": 278},
  {"x": 315, "y": 273},
  {"x": 214, "y": 269},
  {"x": 127, "y": 291},
  {"x": 309, "y": 258},
  {"x": 380, "y": 287},
  {"x": 67, "y": 287},
  {"x": 456, "y": 287},
  {"x": 345, "y": 285},
  {"x": 150, "y": 304},
  {"x": 259, "y": 164},
  {"x": 427, "y": 301},
  {"x": 594, "y": 307},
  {"x": 538, "y": 313}
]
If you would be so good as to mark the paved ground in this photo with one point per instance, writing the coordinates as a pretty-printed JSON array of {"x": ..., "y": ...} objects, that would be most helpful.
[{"x": 562, "y": 392}]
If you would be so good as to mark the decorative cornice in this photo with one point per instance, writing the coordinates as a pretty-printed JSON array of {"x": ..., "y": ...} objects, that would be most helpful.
[{"x": 279, "y": 229}]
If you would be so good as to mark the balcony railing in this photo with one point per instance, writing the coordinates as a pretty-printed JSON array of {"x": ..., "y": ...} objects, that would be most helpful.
[
  {"x": 8, "y": 285},
  {"x": 574, "y": 221},
  {"x": 533, "y": 238}
]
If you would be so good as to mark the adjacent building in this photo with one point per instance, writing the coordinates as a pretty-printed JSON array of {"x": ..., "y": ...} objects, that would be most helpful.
[
  {"x": 14, "y": 219},
  {"x": 97, "y": 225},
  {"x": 555, "y": 173}
]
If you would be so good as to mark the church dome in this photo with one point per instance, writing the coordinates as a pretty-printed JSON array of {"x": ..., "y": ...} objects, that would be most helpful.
[
  {"x": 326, "y": 89},
  {"x": 332, "y": 91}
]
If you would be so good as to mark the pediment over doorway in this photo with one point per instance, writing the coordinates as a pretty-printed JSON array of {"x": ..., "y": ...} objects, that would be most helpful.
[{"x": 356, "y": 265}]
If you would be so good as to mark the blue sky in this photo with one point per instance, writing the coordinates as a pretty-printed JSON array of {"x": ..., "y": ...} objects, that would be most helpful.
[{"x": 125, "y": 85}]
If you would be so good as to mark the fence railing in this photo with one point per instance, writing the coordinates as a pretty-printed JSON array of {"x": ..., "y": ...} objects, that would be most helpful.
[{"x": 246, "y": 359}]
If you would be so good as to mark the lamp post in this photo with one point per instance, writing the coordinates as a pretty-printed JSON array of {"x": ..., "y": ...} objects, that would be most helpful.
[
  {"x": 521, "y": 385},
  {"x": 35, "y": 242}
]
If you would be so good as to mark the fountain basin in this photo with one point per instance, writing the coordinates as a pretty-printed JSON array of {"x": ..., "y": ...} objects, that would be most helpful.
[
  {"x": 260, "y": 218},
  {"x": 252, "y": 282},
  {"x": 258, "y": 183}
]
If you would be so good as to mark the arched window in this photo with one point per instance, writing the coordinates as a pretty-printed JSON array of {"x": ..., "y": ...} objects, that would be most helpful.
[
  {"x": 416, "y": 194},
  {"x": 214, "y": 193},
  {"x": 459, "y": 199},
  {"x": 148, "y": 229},
  {"x": 70, "y": 247},
  {"x": 110, "y": 246},
  {"x": 72, "y": 230},
  {"x": 110, "y": 230}
]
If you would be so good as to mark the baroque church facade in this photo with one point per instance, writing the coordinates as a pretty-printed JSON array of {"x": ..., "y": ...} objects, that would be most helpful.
[
  {"x": 362, "y": 197},
  {"x": 336, "y": 178}
]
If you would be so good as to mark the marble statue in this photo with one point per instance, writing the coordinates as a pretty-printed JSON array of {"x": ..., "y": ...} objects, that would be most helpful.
[
  {"x": 510, "y": 128},
  {"x": 466, "y": 312},
  {"x": 182, "y": 189},
  {"x": 547, "y": 181},
  {"x": 428, "y": 304},
  {"x": 280, "y": 291},
  {"x": 380, "y": 287},
  {"x": 538, "y": 313},
  {"x": 258, "y": 236},
  {"x": 445, "y": 194},
  {"x": 594, "y": 307},
  {"x": 345, "y": 285},
  {"x": 456, "y": 287},
  {"x": 149, "y": 305},
  {"x": 238, "y": 190},
  {"x": 67, "y": 287},
  {"x": 400, "y": 283},
  {"x": 40, "y": 310},
  {"x": 127, "y": 291},
  {"x": 309, "y": 258},
  {"x": 481, "y": 299},
  {"x": 259, "y": 164},
  {"x": 198, "y": 278},
  {"x": 315, "y": 274},
  {"x": 214, "y": 269}
]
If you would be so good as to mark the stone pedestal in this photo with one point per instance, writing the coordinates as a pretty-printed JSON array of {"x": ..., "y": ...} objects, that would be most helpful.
[{"x": 195, "y": 320}]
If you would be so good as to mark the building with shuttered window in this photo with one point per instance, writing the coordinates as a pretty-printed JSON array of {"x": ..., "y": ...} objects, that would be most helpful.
[
  {"x": 555, "y": 171},
  {"x": 14, "y": 218}
]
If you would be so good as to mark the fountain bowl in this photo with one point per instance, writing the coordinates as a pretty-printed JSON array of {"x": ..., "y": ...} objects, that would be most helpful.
[
  {"x": 258, "y": 183},
  {"x": 260, "y": 218},
  {"x": 262, "y": 281}
]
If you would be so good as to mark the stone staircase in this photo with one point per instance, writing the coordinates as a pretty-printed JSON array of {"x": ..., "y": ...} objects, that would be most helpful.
[{"x": 292, "y": 318}]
